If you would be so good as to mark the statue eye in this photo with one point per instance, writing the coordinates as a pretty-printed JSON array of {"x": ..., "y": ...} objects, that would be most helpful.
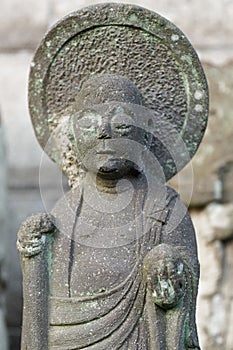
[
  {"x": 88, "y": 127},
  {"x": 87, "y": 124}
]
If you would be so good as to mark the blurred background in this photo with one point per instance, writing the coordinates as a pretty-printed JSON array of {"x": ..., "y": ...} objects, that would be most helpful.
[{"x": 208, "y": 25}]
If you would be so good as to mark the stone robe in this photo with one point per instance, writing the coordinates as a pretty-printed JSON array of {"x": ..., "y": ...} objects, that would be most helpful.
[{"x": 120, "y": 313}]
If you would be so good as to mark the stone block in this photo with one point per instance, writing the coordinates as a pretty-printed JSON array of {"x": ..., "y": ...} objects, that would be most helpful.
[
  {"x": 214, "y": 307},
  {"x": 227, "y": 293},
  {"x": 27, "y": 164},
  {"x": 202, "y": 313},
  {"x": 210, "y": 254},
  {"x": 4, "y": 243},
  {"x": 22, "y": 24},
  {"x": 3, "y": 331},
  {"x": 213, "y": 164},
  {"x": 211, "y": 322},
  {"x": 216, "y": 56},
  {"x": 229, "y": 338},
  {"x": 23, "y": 151},
  {"x": 207, "y": 23},
  {"x": 220, "y": 218},
  {"x": 217, "y": 322},
  {"x": 2, "y": 175}
]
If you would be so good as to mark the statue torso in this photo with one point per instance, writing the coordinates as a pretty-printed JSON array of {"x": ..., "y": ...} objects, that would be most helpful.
[
  {"x": 103, "y": 246},
  {"x": 97, "y": 286}
]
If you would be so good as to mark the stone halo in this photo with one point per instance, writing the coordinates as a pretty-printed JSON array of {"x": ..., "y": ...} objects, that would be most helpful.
[{"x": 130, "y": 41}]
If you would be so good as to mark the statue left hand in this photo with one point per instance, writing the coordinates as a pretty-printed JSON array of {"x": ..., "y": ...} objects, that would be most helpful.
[
  {"x": 165, "y": 276},
  {"x": 30, "y": 240}
]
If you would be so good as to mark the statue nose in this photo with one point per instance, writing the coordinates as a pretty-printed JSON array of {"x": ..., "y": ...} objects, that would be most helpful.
[{"x": 104, "y": 131}]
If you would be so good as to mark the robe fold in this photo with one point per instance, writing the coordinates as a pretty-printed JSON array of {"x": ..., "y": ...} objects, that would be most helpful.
[{"x": 124, "y": 316}]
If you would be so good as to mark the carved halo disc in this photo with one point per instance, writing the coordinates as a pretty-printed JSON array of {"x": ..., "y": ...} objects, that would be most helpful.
[{"x": 129, "y": 41}]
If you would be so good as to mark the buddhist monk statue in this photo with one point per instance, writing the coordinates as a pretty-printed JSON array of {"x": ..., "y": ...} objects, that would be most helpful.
[{"x": 114, "y": 265}]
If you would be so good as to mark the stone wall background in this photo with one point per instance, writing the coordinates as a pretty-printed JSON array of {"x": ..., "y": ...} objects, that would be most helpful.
[
  {"x": 208, "y": 25},
  {"x": 4, "y": 242}
]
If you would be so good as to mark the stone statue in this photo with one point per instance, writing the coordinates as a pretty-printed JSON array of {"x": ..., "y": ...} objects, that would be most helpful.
[{"x": 118, "y": 100}]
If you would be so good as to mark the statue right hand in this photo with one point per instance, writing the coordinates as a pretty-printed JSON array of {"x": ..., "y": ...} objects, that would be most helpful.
[
  {"x": 165, "y": 275},
  {"x": 30, "y": 236}
]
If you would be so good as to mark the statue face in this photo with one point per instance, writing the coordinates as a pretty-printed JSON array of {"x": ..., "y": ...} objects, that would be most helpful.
[{"x": 109, "y": 141}]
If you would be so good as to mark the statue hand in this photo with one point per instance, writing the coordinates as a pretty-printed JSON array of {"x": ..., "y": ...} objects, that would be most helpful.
[
  {"x": 30, "y": 236},
  {"x": 164, "y": 272}
]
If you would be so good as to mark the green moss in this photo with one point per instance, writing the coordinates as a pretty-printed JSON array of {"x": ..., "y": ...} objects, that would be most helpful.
[{"x": 187, "y": 58}]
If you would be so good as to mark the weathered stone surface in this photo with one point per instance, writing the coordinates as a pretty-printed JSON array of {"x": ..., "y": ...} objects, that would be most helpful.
[
  {"x": 22, "y": 202},
  {"x": 210, "y": 254},
  {"x": 203, "y": 311},
  {"x": 207, "y": 23},
  {"x": 214, "y": 313},
  {"x": 4, "y": 243},
  {"x": 227, "y": 293},
  {"x": 3, "y": 331},
  {"x": 86, "y": 249},
  {"x": 213, "y": 163},
  {"x": 229, "y": 338},
  {"x": 216, "y": 56},
  {"x": 217, "y": 321},
  {"x": 24, "y": 159},
  {"x": 220, "y": 218},
  {"x": 179, "y": 100},
  {"x": 211, "y": 315},
  {"x": 194, "y": 18},
  {"x": 2, "y": 174},
  {"x": 22, "y": 149},
  {"x": 214, "y": 307},
  {"x": 22, "y": 24}
]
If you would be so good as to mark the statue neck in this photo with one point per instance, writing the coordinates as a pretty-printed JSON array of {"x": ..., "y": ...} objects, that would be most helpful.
[{"x": 113, "y": 186}]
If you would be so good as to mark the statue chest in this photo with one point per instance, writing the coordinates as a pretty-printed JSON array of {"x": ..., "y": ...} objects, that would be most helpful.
[{"x": 102, "y": 252}]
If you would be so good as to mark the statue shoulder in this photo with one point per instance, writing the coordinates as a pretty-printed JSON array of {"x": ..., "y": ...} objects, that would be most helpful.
[
  {"x": 172, "y": 196},
  {"x": 66, "y": 209},
  {"x": 178, "y": 211},
  {"x": 178, "y": 228}
]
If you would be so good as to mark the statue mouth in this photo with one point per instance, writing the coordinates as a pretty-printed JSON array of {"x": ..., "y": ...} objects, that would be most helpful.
[
  {"x": 117, "y": 168},
  {"x": 112, "y": 168},
  {"x": 107, "y": 170}
]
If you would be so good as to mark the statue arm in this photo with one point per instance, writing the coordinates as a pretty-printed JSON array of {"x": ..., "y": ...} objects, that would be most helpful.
[
  {"x": 34, "y": 244},
  {"x": 171, "y": 270}
]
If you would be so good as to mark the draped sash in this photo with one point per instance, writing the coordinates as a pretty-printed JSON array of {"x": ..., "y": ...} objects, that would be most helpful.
[{"x": 114, "y": 319}]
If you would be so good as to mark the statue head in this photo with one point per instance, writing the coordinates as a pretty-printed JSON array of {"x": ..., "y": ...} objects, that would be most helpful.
[
  {"x": 107, "y": 88},
  {"x": 65, "y": 80},
  {"x": 106, "y": 128}
]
